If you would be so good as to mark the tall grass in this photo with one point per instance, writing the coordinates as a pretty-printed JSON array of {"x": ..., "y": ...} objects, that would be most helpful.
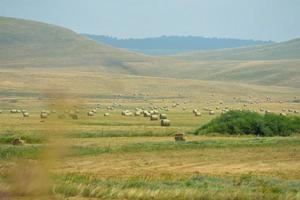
[
  {"x": 10, "y": 152},
  {"x": 197, "y": 187}
]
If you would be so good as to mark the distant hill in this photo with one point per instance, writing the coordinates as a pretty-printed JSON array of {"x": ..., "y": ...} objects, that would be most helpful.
[
  {"x": 168, "y": 45},
  {"x": 278, "y": 51},
  {"x": 25, "y": 43}
]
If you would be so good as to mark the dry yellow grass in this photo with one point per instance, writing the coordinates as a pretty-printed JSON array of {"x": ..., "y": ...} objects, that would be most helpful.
[{"x": 34, "y": 90}]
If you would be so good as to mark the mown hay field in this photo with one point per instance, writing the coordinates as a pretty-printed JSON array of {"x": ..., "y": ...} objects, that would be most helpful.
[{"x": 132, "y": 157}]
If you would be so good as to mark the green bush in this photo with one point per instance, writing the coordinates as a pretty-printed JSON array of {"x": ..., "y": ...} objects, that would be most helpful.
[{"x": 247, "y": 122}]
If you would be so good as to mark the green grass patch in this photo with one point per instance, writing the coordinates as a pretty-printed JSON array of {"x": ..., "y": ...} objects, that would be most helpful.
[
  {"x": 197, "y": 187},
  {"x": 28, "y": 138},
  {"x": 247, "y": 122},
  {"x": 99, "y": 134},
  {"x": 8, "y": 152},
  {"x": 163, "y": 146}
]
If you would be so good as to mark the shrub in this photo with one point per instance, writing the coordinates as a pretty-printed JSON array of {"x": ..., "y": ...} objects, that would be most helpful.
[{"x": 247, "y": 122}]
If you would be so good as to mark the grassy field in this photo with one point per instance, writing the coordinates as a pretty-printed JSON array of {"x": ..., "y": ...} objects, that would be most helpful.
[{"x": 119, "y": 157}]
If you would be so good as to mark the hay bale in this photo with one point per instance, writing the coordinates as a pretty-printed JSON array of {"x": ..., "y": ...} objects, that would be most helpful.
[
  {"x": 137, "y": 113},
  {"x": 195, "y": 111},
  {"x": 106, "y": 114},
  {"x": 211, "y": 112},
  {"x": 90, "y": 113},
  {"x": 13, "y": 111},
  {"x": 154, "y": 117},
  {"x": 163, "y": 116},
  {"x": 165, "y": 122},
  {"x": 147, "y": 114},
  {"x": 44, "y": 115},
  {"x": 126, "y": 113},
  {"x": 155, "y": 112},
  {"x": 0, "y": 111},
  {"x": 179, "y": 137},
  {"x": 25, "y": 114},
  {"x": 283, "y": 114},
  {"x": 198, "y": 114},
  {"x": 17, "y": 141}
]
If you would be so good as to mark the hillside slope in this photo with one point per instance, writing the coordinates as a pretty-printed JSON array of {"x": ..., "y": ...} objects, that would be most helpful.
[
  {"x": 26, "y": 43},
  {"x": 278, "y": 51},
  {"x": 29, "y": 43}
]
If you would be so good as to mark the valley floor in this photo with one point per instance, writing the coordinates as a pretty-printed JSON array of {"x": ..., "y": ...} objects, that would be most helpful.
[{"x": 131, "y": 157}]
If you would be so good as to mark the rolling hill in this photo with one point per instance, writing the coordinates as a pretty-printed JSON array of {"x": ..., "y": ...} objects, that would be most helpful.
[
  {"x": 278, "y": 51},
  {"x": 28, "y": 44},
  {"x": 25, "y": 43}
]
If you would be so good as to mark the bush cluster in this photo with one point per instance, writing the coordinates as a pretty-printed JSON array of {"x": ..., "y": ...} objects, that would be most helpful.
[{"x": 247, "y": 122}]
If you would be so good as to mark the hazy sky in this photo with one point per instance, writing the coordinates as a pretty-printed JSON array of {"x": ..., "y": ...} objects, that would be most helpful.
[{"x": 276, "y": 20}]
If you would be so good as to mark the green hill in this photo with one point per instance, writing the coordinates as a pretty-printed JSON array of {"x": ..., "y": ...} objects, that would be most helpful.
[{"x": 278, "y": 51}]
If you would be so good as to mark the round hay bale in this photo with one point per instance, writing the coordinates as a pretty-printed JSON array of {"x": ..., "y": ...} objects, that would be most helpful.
[
  {"x": 147, "y": 114},
  {"x": 155, "y": 112},
  {"x": 154, "y": 117},
  {"x": 44, "y": 115},
  {"x": 165, "y": 122},
  {"x": 90, "y": 113},
  {"x": 198, "y": 114},
  {"x": 106, "y": 114},
  {"x": 163, "y": 116},
  {"x": 128, "y": 114},
  {"x": 211, "y": 112},
  {"x": 25, "y": 114},
  {"x": 13, "y": 111},
  {"x": 137, "y": 113},
  {"x": 195, "y": 111},
  {"x": 17, "y": 141},
  {"x": 179, "y": 137},
  {"x": 283, "y": 114}
]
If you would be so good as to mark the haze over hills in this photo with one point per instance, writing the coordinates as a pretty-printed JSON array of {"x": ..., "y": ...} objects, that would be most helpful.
[
  {"x": 168, "y": 45},
  {"x": 278, "y": 51},
  {"x": 26, "y": 43}
]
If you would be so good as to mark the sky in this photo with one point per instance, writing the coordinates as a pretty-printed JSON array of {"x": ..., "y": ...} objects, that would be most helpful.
[{"x": 277, "y": 20}]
